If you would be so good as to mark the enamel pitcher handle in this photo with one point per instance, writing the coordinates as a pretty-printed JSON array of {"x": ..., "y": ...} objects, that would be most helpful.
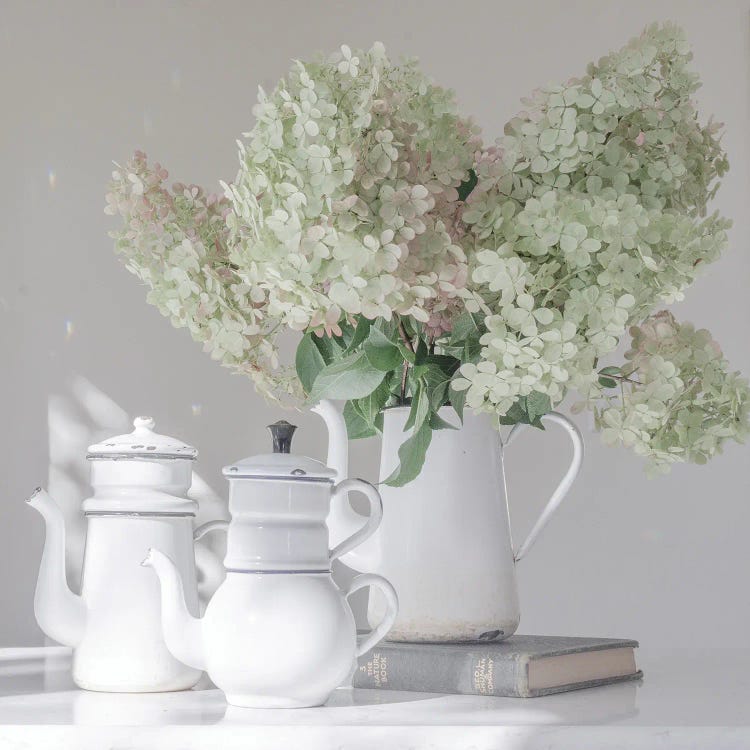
[
  {"x": 565, "y": 483},
  {"x": 367, "y": 641},
  {"x": 371, "y": 523}
]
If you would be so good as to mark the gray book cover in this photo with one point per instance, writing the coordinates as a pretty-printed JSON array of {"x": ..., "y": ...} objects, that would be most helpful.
[{"x": 477, "y": 668}]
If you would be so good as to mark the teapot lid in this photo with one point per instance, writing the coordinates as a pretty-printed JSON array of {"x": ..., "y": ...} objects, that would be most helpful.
[
  {"x": 143, "y": 442},
  {"x": 281, "y": 464}
]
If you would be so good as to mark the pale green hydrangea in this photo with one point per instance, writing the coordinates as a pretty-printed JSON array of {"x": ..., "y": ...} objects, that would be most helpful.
[
  {"x": 587, "y": 214},
  {"x": 177, "y": 242},
  {"x": 346, "y": 200},
  {"x": 675, "y": 399}
]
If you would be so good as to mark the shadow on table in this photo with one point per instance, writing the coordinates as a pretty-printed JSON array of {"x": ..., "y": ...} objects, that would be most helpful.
[
  {"x": 34, "y": 670},
  {"x": 594, "y": 706}
]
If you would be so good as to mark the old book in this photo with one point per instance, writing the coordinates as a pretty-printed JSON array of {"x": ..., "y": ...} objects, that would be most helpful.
[{"x": 523, "y": 666}]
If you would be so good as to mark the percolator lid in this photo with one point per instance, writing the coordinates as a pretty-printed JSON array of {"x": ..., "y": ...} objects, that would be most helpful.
[
  {"x": 143, "y": 442},
  {"x": 281, "y": 464}
]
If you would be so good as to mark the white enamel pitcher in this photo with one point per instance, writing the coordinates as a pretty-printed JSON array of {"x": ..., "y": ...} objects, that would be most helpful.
[
  {"x": 140, "y": 501},
  {"x": 445, "y": 540}
]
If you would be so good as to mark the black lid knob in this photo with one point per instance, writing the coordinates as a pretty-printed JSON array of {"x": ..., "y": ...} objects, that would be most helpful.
[{"x": 282, "y": 432}]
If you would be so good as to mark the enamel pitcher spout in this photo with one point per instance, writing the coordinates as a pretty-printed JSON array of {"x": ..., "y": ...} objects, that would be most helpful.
[{"x": 445, "y": 542}]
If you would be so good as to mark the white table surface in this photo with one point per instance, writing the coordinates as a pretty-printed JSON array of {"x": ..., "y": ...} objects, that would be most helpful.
[{"x": 688, "y": 699}]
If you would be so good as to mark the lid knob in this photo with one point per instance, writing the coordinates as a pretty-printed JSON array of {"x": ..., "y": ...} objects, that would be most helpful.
[
  {"x": 144, "y": 423},
  {"x": 282, "y": 432}
]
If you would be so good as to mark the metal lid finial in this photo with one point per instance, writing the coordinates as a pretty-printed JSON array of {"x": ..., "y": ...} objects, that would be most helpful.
[{"x": 282, "y": 432}]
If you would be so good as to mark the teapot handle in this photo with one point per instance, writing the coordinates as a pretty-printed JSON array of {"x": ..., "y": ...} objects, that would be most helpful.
[
  {"x": 208, "y": 563},
  {"x": 565, "y": 483},
  {"x": 367, "y": 641},
  {"x": 201, "y": 531},
  {"x": 371, "y": 523}
]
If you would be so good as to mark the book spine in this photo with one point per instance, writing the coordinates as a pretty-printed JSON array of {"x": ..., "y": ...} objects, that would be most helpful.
[{"x": 475, "y": 672}]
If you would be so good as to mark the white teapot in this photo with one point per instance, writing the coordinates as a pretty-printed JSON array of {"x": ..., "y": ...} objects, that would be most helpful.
[
  {"x": 140, "y": 500},
  {"x": 278, "y": 633}
]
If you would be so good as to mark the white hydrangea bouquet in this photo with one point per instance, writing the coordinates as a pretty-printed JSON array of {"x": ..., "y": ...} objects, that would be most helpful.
[{"x": 424, "y": 268}]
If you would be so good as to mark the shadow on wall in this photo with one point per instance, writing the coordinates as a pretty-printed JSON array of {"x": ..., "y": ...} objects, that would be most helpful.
[{"x": 84, "y": 415}]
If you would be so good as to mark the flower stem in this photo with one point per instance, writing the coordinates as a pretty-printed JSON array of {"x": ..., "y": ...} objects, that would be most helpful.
[
  {"x": 623, "y": 379},
  {"x": 405, "y": 371}
]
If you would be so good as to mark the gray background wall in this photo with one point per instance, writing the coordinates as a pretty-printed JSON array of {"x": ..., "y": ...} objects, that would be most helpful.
[{"x": 665, "y": 561}]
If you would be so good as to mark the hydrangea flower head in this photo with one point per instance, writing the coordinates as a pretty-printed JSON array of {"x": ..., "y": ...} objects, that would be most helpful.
[
  {"x": 589, "y": 213},
  {"x": 678, "y": 400},
  {"x": 346, "y": 201}
]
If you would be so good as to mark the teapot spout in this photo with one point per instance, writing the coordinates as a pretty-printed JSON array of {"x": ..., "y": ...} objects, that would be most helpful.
[
  {"x": 182, "y": 632},
  {"x": 61, "y": 614}
]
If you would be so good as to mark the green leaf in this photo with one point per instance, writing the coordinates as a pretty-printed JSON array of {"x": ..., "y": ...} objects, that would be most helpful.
[
  {"x": 472, "y": 350},
  {"x": 517, "y": 413},
  {"x": 420, "y": 408},
  {"x": 607, "y": 382},
  {"x": 405, "y": 352},
  {"x": 445, "y": 362},
  {"x": 454, "y": 350},
  {"x": 411, "y": 456},
  {"x": 394, "y": 382},
  {"x": 611, "y": 371},
  {"x": 458, "y": 401},
  {"x": 349, "y": 378},
  {"x": 465, "y": 326},
  {"x": 437, "y": 380},
  {"x": 465, "y": 188},
  {"x": 537, "y": 405},
  {"x": 438, "y": 423},
  {"x": 413, "y": 383},
  {"x": 372, "y": 405},
  {"x": 388, "y": 327},
  {"x": 437, "y": 395},
  {"x": 381, "y": 352},
  {"x": 329, "y": 349},
  {"x": 411, "y": 327},
  {"x": 528, "y": 410},
  {"x": 420, "y": 355},
  {"x": 361, "y": 332},
  {"x": 356, "y": 425},
  {"x": 347, "y": 333},
  {"x": 464, "y": 342},
  {"x": 308, "y": 361}
]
